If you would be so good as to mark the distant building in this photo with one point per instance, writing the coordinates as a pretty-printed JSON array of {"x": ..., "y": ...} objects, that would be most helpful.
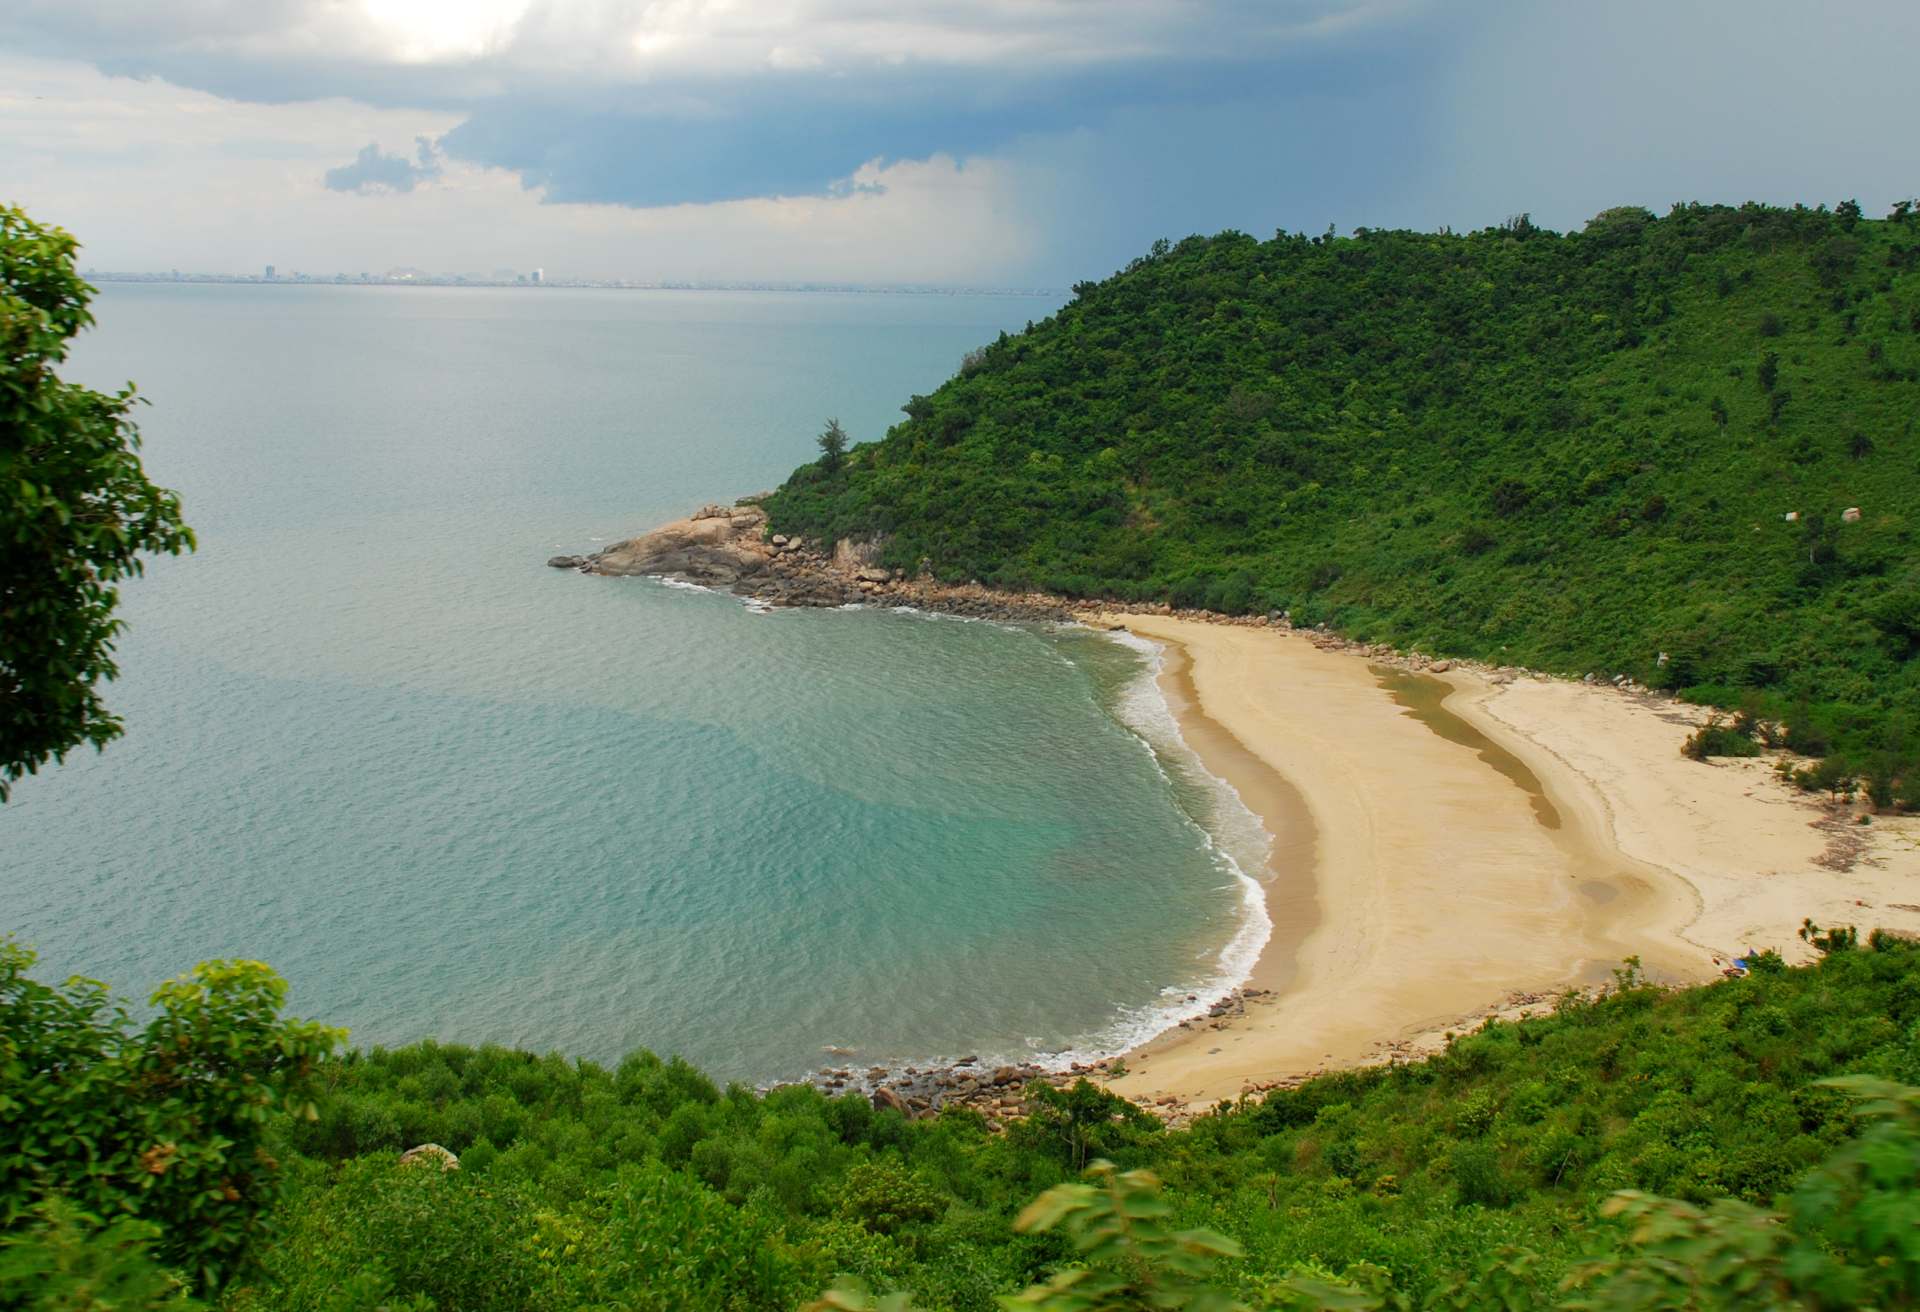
[
  {"x": 539, "y": 275},
  {"x": 269, "y": 273}
]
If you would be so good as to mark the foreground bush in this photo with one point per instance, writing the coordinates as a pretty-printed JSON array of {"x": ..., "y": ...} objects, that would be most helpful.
[
  {"x": 169, "y": 1122},
  {"x": 1602, "y": 1153}
]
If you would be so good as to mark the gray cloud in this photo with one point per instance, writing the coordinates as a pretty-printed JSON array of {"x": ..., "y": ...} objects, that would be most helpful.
[
  {"x": 633, "y": 103},
  {"x": 373, "y": 172},
  {"x": 1097, "y": 125}
]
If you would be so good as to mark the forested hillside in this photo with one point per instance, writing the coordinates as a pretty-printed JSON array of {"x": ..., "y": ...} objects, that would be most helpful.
[
  {"x": 219, "y": 1153},
  {"x": 1571, "y": 451}
]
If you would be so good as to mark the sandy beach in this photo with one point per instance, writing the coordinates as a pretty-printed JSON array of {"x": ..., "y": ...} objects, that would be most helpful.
[{"x": 1449, "y": 846}]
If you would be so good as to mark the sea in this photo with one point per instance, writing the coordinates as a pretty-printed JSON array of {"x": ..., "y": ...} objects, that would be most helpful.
[{"x": 449, "y": 792}]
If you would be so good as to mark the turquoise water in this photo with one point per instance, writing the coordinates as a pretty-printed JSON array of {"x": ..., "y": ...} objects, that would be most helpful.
[{"x": 448, "y": 791}]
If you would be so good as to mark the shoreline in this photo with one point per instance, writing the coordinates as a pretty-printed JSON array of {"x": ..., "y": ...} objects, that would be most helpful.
[
  {"x": 1408, "y": 781},
  {"x": 1449, "y": 841},
  {"x": 1286, "y": 881}
]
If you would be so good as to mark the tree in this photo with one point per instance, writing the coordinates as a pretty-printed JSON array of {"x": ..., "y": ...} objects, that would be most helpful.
[
  {"x": 168, "y": 1123},
  {"x": 1081, "y": 1122},
  {"x": 833, "y": 444},
  {"x": 76, "y": 510}
]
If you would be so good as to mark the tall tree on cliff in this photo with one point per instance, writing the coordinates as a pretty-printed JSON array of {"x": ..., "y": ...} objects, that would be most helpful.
[
  {"x": 76, "y": 510},
  {"x": 833, "y": 445}
]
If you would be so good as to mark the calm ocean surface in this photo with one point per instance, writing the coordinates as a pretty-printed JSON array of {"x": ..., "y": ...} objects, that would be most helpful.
[{"x": 447, "y": 791}]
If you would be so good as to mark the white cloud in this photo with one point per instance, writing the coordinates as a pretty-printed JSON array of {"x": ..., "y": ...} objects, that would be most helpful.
[
  {"x": 1054, "y": 138},
  {"x": 421, "y": 31},
  {"x": 611, "y": 40},
  {"x": 153, "y": 177}
]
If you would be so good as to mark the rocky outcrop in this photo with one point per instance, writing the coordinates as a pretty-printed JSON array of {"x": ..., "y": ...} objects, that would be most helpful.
[
  {"x": 853, "y": 556},
  {"x": 430, "y": 1154},
  {"x": 722, "y": 546},
  {"x": 728, "y": 546},
  {"x": 717, "y": 546}
]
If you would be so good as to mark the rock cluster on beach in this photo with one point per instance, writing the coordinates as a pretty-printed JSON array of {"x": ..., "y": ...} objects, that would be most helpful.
[{"x": 998, "y": 1093}]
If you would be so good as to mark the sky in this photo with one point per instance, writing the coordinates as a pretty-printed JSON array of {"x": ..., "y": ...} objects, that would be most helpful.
[{"x": 995, "y": 143}]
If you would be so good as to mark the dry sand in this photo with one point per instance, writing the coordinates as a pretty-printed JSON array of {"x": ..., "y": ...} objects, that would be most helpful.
[{"x": 1436, "y": 862}]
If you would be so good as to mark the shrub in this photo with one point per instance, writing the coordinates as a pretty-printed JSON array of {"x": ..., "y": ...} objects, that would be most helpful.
[
  {"x": 67, "y": 1261},
  {"x": 1717, "y": 738},
  {"x": 1476, "y": 541},
  {"x": 884, "y": 1197},
  {"x": 167, "y": 1122},
  {"x": 1478, "y": 1177}
]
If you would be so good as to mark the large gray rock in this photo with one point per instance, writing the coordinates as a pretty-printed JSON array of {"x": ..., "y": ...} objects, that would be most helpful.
[
  {"x": 430, "y": 1154},
  {"x": 714, "y": 549}
]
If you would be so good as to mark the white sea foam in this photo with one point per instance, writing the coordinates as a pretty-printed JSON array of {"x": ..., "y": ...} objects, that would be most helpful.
[
  {"x": 1234, "y": 838},
  {"x": 754, "y": 604}
]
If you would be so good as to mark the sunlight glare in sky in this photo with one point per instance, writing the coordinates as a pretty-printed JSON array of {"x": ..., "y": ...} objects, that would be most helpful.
[{"x": 437, "y": 29}]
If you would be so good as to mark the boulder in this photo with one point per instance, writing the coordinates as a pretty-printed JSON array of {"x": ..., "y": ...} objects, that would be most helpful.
[
  {"x": 1851, "y": 515},
  {"x": 1006, "y": 1074},
  {"x": 779, "y": 539},
  {"x": 430, "y": 1154},
  {"x": 848, "y": 554},
  {"x": 566, "y": 562},
  {"x": 872, "y": 574},
  {"x": 1440, "y": 667},
  {"x": 718, "y": 550},
  {"x": 885, "y": 1099}
]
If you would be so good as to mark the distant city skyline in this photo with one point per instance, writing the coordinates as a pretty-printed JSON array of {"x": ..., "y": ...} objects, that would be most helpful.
[
  {"x": 412, "y": 277},
  {"x": 921, "y": 142}
]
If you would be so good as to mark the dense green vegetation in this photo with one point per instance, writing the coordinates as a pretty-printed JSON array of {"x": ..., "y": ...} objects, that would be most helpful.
[
  {"x": 1438, "y": 1183},
  {"x": 1571, "y": 451}
]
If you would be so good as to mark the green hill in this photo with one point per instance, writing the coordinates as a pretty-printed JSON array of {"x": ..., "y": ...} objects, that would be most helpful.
[{"x": 1571, "y": 451}]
